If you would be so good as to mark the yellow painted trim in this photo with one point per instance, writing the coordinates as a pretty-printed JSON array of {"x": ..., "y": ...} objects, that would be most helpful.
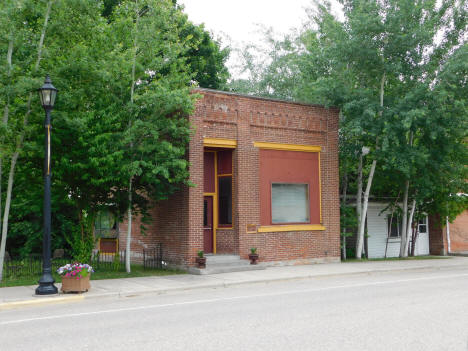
[
  {"x": 225, "y": 228},
  {"x": 215, "y": 142},
  {"x": 288, "y": 147},
  {"x": 209, "y": 194},
  {"x": 290, "y": 228},
  {"x": 225, "y": 175},
  {"x": 320, "y": 188}
]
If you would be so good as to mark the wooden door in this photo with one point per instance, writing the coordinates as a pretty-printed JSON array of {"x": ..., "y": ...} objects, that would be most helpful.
[{"x": 208, "y": 224}]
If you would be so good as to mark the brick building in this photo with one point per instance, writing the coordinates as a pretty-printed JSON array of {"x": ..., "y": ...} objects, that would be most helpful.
[
  {"x": 266, "y": 175},
  {"x": 449, "y": 237}
]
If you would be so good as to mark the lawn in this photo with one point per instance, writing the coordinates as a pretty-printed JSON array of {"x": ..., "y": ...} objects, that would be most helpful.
[{"x": 136, "y": 271}]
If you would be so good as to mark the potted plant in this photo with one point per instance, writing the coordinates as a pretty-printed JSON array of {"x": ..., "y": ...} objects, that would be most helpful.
[
  {"x": 201, "y": 259},
  {"x": 253, "y": 255},
  {"x": 75, "y": 277}
]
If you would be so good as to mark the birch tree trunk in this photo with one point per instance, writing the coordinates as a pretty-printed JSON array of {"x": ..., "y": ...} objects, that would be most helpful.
[
  {"x": 359, "y": 207},
  {"x": 364, "y": 210},
  {"x": 129, "y": 230},
  {"x": 6, "y": 112},
  {"x": 20, "y": 140},
  {"x": 362, "y": 219},
  {"x": 345, "y": 190},
  {"x": 130, "y": 181},
  {"x": 405, "y": 225},
  {"x": 404, "y": 222},
  {"x": 409, "y": 228}
]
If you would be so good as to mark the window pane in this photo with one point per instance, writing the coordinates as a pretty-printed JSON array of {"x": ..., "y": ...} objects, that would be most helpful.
[
  {"x": 290, "y": 203},
  {"x": 225, "y": 200},
  {"x": 394, "y": 224},
  {"x": 205, "y": 213}
]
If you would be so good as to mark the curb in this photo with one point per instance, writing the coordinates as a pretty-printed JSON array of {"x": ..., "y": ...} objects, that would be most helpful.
[
  {"x": 41, "y": 301},
  {"x": 224, "y": 284},
  {"x": 216, "y": 285}
]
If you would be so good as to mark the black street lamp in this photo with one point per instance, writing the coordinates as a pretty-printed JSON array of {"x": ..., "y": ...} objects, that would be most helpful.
[{"x": 47, "y": 93}]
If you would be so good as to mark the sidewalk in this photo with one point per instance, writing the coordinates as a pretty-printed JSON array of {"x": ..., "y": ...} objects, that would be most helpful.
[{"x": 24, "y": 295}]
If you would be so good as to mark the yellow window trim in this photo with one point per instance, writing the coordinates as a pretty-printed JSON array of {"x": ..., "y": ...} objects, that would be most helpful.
[
  {"x": 225, "y": 143},
  {"x": 290, "y": 228},
  {"x": 288, "y": 147}
]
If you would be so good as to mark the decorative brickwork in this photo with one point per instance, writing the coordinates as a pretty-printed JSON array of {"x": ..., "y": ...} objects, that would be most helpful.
[{"x": 178, "y": 222}]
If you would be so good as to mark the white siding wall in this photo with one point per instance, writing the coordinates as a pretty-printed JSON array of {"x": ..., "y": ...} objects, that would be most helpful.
[{"x": 377, "y": 235}]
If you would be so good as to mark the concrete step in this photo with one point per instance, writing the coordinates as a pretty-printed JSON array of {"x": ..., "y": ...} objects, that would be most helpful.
[
  {"x": 225, "y": 269},
  {"x": 221, "y": 259},
  {"x": 228, "y": 263}
]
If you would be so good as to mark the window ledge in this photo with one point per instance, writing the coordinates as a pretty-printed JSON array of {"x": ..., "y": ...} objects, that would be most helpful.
[{"x": 290, "y": 228}]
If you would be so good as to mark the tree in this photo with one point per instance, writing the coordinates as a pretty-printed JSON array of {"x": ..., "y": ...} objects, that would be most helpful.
[
  {"x": 205, "y": 55},
  {"x": 381, "y": 67},
  {"x": 121, "y": 112}
]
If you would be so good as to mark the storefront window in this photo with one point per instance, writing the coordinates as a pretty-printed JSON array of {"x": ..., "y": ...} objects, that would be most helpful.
[{"x": 290, "y": 203}]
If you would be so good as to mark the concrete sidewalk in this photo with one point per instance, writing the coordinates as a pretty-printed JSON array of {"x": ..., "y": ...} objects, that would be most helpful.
[{"x": 24, "y": 295}]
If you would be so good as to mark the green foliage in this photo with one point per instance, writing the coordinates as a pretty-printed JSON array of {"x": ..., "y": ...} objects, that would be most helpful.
[
  {"x": 200, "y": 253},
  {"x": 116, "y": 262},
  {"x": 95, "y": 148},
  {"x": 205, "y": 56},
  {"x": 81, "y": 239},
  {"x": 415, "y": 55},
  {"x": 253, "y": 250}
]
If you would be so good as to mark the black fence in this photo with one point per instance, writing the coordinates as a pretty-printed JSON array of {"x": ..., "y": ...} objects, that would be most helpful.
[
  {"x": 152, "y": 258},
  {"x": 30, "y": 266},
  {"x": 100, "y": 261}
]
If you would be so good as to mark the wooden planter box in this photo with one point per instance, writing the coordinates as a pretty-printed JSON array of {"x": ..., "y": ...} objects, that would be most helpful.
[{"x": 71, "y": 284}]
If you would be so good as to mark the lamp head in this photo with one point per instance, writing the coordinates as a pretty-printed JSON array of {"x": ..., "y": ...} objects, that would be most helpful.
[{"x": 47, "y": 94}]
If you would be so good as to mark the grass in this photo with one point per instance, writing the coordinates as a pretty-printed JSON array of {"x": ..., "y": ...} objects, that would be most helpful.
[
  {"x": 136, "y": 271},
  {"x": 397, "y": 258}
]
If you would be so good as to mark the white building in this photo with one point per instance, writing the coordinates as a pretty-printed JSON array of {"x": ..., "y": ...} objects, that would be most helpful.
[{"x": 378, "y": 227}]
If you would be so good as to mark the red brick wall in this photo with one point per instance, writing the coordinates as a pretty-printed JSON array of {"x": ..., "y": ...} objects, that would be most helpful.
[
  {"x": 437, "y": 236},
  {"x": 459, "y": 233},
  {"x": 247, "y": 120}
]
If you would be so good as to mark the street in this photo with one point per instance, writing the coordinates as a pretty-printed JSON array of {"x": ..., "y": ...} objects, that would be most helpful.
[{"x": 417, "y": 310}]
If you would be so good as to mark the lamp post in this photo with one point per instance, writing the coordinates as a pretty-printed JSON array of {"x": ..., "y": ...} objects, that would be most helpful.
[{"x": 47, "y": 93}]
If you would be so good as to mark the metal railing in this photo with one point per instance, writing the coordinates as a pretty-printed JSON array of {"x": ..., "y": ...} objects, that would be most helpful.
[
  {"x": 152, "y": 258},
  {"x": 100, "y": 261}
]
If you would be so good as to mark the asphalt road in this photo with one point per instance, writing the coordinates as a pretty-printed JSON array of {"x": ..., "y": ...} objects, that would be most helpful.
[{"x": 423, "y": 310}]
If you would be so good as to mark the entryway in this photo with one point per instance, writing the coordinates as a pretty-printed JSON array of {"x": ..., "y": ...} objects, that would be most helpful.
[{"x": 208, "y": 224}]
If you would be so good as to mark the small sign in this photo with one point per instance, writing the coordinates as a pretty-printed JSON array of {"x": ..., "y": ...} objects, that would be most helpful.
[{"x": 251, "y": 228}]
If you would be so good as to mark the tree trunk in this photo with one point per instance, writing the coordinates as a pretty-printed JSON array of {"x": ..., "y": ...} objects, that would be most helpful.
[
  {"x": 359, "y": 206},
  {"x": 345, "y": 190},
  {"x": 19, "y": 144},
  {"x": 362, "y": 219},
  {"x": 414, "y": 237},
  {"x": 404, "y": 222},
  {"x": 129, "y": 229},
  {"x": 409, "y": 228},
  {"x": 7, "y": 211},
  {"x": 130, "y": 185},
  {"x": 364, "y": 211}
]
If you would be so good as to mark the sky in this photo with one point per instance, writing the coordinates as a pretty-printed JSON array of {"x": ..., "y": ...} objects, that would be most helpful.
[{"x": 236, "y": 21}]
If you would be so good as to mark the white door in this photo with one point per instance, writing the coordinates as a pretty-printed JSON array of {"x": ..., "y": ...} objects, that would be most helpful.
[{"x": 422, "y": 243}]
